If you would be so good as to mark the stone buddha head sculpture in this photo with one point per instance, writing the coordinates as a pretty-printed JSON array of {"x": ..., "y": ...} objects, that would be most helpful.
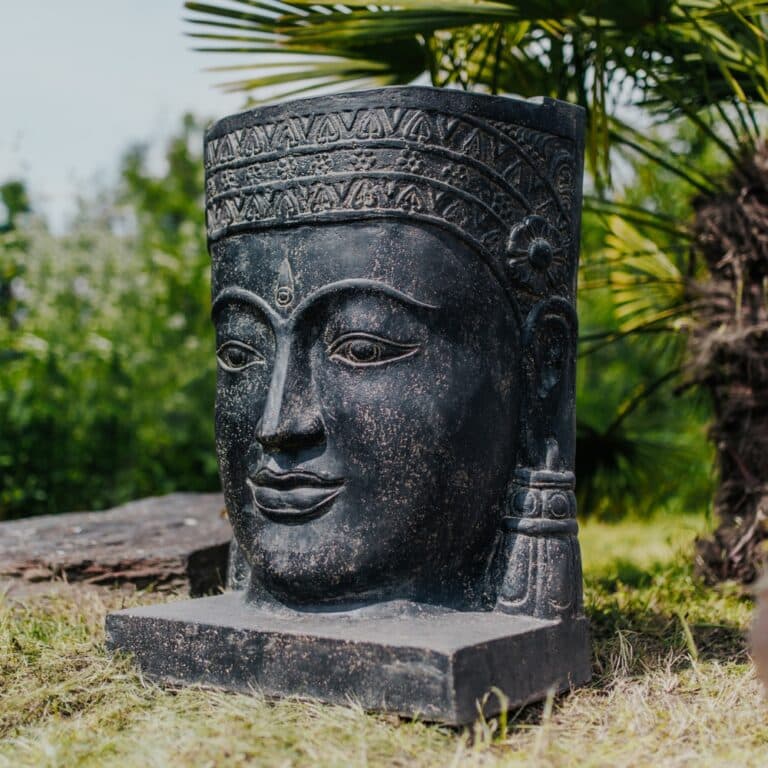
[{"x": 393, "y": 290}]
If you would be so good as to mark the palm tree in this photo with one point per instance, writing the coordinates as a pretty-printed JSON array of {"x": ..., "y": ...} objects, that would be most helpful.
[
  {"x": 731, "y": 361},
  {"x": 701, "y": 62}
]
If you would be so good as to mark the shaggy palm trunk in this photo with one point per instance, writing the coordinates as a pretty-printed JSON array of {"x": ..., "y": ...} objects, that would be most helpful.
[{"x": 731, "y": 361}]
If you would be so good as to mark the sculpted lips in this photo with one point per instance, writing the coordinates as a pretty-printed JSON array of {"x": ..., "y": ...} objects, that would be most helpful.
[{"x": 293, "y": 497}]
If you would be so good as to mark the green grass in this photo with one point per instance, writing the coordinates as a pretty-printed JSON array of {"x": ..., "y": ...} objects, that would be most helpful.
[{"x": 673, "y": 687}]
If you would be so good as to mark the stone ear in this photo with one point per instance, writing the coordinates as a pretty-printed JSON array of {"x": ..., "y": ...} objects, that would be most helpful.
[
  {"x": 542, "y": 575},
  {"x": 549, "y": 367}
]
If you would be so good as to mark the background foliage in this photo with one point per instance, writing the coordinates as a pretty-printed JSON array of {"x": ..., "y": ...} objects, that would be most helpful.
[
  {"x": 106, "y": 363},
  {"x": 643, "y": 425}
]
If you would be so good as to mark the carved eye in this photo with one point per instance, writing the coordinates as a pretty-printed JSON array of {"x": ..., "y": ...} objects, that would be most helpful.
[
  {"x": 362, "y": 349},
  {"x": 236, "y": 356}
]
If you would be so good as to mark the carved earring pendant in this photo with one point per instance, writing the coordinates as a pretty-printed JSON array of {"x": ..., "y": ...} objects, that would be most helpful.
[{"x": 543, "y": 576}]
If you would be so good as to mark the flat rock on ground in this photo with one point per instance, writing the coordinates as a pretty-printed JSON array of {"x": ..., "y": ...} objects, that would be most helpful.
[{"x": 175, "y": 541}]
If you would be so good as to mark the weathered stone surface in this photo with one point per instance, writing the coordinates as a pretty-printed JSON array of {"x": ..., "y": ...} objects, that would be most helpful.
[
  {"x": 393, "y": 282},
  {"x": 438, "y": 666},
  {"x": 180, "y": 539}
]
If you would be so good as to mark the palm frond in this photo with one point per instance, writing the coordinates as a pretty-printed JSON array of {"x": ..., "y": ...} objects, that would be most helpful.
[
  {"x": 679, "y": 55},
  {"x": 635, "y": 215},
  {"x": 648, "y": 288}
]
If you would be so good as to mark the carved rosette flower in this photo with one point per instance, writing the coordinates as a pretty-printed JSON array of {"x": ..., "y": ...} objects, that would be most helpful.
[
  {"x": 227, "y": 180},
  {"x": 364, "y": 160},
  {"x": 410, "y": 162},
  {"x": 457, "y": 175},
  {"x": 535, "y": 256},
  {"x": 322, "y": 165},
  {"x": 253, "y": 175},
  {"x": 286, "y": 167}
]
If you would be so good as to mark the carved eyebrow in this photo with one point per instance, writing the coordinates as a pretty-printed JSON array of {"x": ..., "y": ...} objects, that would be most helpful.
[
  {"x": 370, "y": 286},
  {"x": 242, "y": 295}
]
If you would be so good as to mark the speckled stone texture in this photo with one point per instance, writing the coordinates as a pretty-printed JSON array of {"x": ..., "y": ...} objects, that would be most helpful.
[
  {"x": 438, "y": 666},
  {"x": 393, "y": 290}
]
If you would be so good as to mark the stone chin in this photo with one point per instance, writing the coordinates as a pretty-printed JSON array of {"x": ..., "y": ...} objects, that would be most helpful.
[{"x": 367, "y": 404}]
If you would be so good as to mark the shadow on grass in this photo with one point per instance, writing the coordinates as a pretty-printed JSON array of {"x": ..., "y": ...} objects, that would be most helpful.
[
  {"x": 659, "y": 619},
  {"x": 642, "y": 618},
  {"x": 625, "y": 572}
]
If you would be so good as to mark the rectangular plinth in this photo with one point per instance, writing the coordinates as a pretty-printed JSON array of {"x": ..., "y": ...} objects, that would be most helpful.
[{"x": 436, "y": 666}]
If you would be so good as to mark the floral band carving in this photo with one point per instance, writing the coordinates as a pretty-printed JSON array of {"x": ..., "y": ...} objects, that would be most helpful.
[{"x": 508, "y": 189}]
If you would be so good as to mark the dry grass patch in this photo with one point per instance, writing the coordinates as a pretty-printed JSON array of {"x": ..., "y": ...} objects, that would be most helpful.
[{"x": 673, "y": 687}]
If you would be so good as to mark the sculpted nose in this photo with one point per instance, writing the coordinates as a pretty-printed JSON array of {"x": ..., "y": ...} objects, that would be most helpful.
[{"x": 291, "y": 419}]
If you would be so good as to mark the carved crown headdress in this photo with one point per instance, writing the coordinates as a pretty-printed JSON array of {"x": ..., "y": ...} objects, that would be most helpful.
[{"x": 502, "y": 174}]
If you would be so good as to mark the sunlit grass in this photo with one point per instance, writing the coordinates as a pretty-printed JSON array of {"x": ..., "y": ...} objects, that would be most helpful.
[{"x": 673, "y": 687}]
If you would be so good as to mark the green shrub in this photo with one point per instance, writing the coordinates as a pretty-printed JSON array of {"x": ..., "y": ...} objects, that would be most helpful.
[{"x": 107, "y": 370}]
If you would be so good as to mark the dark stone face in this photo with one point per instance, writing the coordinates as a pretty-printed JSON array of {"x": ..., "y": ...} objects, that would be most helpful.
[{"x": 366, "y": 411}]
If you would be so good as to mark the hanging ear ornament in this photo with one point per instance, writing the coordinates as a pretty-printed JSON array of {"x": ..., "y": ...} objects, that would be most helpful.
[
  {"x": 544, "y": 575},
  {"x": 535, "y": 256}
]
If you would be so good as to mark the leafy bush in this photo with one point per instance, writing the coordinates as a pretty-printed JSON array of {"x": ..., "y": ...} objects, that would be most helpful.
[
  {"x": 107, "y": 376},
  {"x": 642, "y": 428}
]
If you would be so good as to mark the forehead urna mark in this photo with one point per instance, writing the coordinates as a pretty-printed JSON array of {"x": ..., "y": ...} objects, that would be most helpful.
[{"x": 284, "y": 290}]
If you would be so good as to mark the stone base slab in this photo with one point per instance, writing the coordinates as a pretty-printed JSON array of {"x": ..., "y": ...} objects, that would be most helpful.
[{"x": 439, "y": 666}]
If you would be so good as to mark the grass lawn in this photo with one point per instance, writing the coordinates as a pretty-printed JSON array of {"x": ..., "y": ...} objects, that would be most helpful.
[{"x": 673, "y": 686}]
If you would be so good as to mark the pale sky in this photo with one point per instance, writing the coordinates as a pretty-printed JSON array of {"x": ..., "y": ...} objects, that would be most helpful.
[{"x": 84, "y": 79}]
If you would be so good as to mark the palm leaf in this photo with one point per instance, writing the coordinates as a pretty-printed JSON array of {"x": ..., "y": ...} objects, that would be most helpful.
[{"x": 585, "y": 52}]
